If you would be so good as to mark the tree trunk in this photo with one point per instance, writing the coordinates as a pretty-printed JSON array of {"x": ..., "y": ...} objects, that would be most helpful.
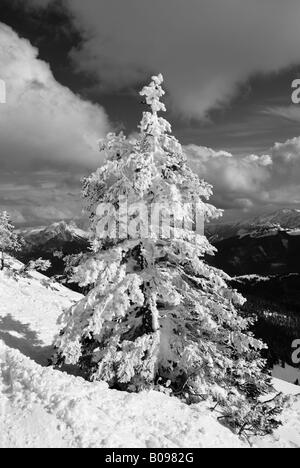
[{"x": 2, "y": 261}]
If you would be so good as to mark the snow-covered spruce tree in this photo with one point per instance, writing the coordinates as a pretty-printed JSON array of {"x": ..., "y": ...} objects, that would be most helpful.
[
  {"x": 157, "y": 315},
  {"x": 10, "y": 242}
]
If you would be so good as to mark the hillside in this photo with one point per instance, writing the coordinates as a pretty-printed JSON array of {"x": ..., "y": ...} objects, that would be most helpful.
[
  {"x": 29, "y": 308},
  {"x": 42, "y": 407},
  {"x": 265, "y": 245},
  {"x": 263, "y": 256},
  {"x": 273, "y": 251}
]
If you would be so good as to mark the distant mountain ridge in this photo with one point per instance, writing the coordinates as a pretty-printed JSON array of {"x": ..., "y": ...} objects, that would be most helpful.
[
  {"x": 60, "y": 231},
  {"x": 263, "y": 257},
  {"x": 288, "y": 218},
  {"x": 45, "y": 241},
  {"x": 281, "y": 220},
  {"x": 265, "y": 245}
]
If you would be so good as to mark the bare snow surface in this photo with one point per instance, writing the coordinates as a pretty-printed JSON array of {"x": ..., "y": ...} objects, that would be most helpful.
[{"x": 45, "y": 408}]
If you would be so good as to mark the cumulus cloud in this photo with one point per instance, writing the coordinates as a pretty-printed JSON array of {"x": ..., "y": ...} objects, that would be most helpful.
[
  {"x": 43, "y": 126},
  {"x": 288, "y": 153},
  {"x": 204, "y": 48},
  {"x": 254, "y": 181},
  {"x": 43, "y": 121},
  {"x": 286, "y": 172},
  {"x": 237, "y": 180},
  {"x": 204, "y": 51}
]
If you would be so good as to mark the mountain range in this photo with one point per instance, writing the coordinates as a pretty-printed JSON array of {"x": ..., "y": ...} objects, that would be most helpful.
[
  {"x": 53, "y": 243},
  {"x": 57, "y": 233},
  {"x": 263, "y": 257},
  {"x": 285, "y": 219},
  {"x": 264, "y": 245}
]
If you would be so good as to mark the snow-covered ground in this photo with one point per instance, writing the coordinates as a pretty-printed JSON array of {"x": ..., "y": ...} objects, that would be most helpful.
[
  {"x": 42, "y": 407},
  {"x": 29, "y": 308}
]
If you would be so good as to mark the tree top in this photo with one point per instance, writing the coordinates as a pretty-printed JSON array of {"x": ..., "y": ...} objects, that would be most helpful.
[{"x": 153, "y": 92}]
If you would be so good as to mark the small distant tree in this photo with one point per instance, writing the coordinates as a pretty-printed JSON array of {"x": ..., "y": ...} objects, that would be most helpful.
[{"x": 10, "y": 242}]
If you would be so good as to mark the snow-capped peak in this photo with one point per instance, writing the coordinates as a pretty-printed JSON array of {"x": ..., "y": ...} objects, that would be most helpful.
[
  {"x": 287, "y": 218},
  {"x": 62, "y": 230}
]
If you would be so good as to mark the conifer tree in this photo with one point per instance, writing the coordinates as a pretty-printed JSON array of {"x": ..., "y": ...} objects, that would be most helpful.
[
  {"x": 157, "y": 316},
  {"x": 9, "y": 240}
]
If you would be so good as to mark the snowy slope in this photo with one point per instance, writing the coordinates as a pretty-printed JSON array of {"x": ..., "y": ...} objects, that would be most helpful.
[
  {"x": 42, "y": 407},
  {"x": 288, "y": 435},
  {"x": 29, "y": 308},
  {"x": 76, "y": 413}
]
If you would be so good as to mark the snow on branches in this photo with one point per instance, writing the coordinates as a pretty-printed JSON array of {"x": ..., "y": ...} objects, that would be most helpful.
[{"x": 156, "y": 312}]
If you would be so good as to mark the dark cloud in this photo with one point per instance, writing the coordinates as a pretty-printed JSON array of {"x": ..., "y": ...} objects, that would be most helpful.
[{"x": 205, "y": 48}]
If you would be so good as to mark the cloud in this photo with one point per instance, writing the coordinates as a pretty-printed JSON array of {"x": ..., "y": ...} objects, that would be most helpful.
[
  {"x": 48, "y": 137},
  {"x": 205, "y": 48},
  {"x": 40, "y": 3},
  {"x": 291, "y": 112},
  {"x": 263, "y": 161},
  {"x": 42, "y": 121},
  {"x": 251, "y": 182},
  {"x": 41, "y": 197},
  {"x": 237, "y": 180},
  {"x": 288, "y": 153},
  {"x": 204, "y": 51}
]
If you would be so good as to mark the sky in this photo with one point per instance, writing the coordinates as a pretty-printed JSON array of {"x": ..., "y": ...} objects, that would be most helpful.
[{"x": 73, "y": 71}]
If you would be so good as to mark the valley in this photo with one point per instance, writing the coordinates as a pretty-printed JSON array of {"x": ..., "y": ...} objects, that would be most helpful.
[{"x": 263, "y": 258}]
